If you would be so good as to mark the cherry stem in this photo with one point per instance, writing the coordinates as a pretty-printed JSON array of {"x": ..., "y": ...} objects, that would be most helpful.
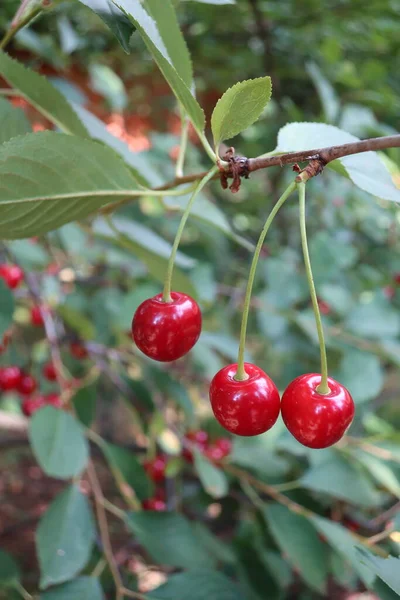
[
  {"x": 323, "y": 387},
  {"x": 183, "y": 145},
  {"x": 171, "y": 261},
  {"x": 241, "y": 374}
]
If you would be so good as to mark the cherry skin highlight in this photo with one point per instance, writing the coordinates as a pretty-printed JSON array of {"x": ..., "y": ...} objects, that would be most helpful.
[
  {"x": 248, "y": 407},
  {"x": 316, "y": 420},
  {"x": 166, "y": 331}
]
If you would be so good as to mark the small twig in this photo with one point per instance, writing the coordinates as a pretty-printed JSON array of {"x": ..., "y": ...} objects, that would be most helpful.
[
  {"x": 21, "y": 590},
  {"x": 379, "y": 537}
]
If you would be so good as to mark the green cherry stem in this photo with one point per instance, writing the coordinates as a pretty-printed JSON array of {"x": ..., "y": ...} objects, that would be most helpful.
[
  {"x": 241, "y": 374},
  {"x": 171, "y": 261},
  {"x": 183, "y": 145},
  {"x": 323, "y": 387}
]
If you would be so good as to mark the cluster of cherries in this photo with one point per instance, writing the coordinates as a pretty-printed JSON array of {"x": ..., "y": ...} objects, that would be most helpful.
[
  {"x": 156, "y": 468},
  {"x": 166, "y": 331}
]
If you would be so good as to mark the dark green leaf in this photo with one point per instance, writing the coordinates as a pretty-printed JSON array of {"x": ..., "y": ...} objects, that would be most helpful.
[
  {"x": 127, "y": 469},
  {"x": 82, "y": 588},
  {"x": 39, "y": 92},
  {"x": 381, "y": 472},
  {"x": 58, "y": 443},
  {"x": 6, "y": 307},
  {"x": 65, "y": 537},
  {"x": 84, "y": 402},
  {"x": 9, "y": 570},
  {"x": 114, "y": 19},
  {"x": 212, "y": 478},
  {"x": 13, "y": 121},
  {"x": 199, "y": 584},
  {"x": 388, "y": 569}
]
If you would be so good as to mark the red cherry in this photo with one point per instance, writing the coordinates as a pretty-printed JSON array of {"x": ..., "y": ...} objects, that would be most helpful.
[
  {"x": 26, "y": 385},
  {"x": 9, "y": 378},
  {"x": 214, "y": 453},
  {"x": 316, "y": 420},
  {"x": 31, "y": 405},
  {"x": 324, "y": 308},
  {"x": 389, "y": 291},
  {"x": 36, "y": 316},
  {"x": 248, "y": 407},
  {"x": 154, "y": 504},
  {"x": 397, "y": 278},
  {"x": 50, "y": 372},
  {"x": 225, "y": 445},
  {"x": 156, "y": 468},
  {"x": 199, "y": 438},
  {"x": 78, "y": 350},
  {"x": 165, "y": 331},
  {"x": 53, "y": 400},
  {"x": 12, "y": 275}
]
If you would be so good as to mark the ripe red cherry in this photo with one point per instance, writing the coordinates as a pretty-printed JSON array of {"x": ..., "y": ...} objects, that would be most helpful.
[
  {"x": 9, "y": 378},
  {"x": 12, "y": 275},
  {"x": 198, "y": 438},
  {"x": 165, "y": 331},
  {"x": 316, "y": 420},
  {"x": 214, "y": 453},
  {"x": 248, "y": 407},
  {"x": 53, "y": 400},
  {"x": 154, "y": 504},
  {"x": 155, "y": 468},
  {"x": 26, "y": 385},
  {"x": 324, "y": 308},
  {"x": 397, "y": 278},
  {"x": 50, "y": 372},
  {"x": 78, "y": 350},
  {"x": 36, "y": 316},
  {"x": 225, "y": 445},
  {"x": 31, "y": 405}
]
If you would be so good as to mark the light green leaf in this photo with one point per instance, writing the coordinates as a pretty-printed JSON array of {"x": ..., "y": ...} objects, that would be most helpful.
[
  {"x": 174, "y": 389},
  {"x": 366, "y": 170},
  {"x": 82, "y": 588},
  {"x": 9, "y": 570},
  {"x": 329, "y": 100},
  {"x": 118, "y": 23},
  {"x": 13, "y": 121},
  {"x": 84, "y": 402},
  {"x": 212, "y": 478},
  {"x": 64, "y": 537},
  {"x": 169, "y": 538},
  {"x": 240, "y": 107},
  {"x": 58, "y": 443},
  {"x": 6, "y": 307},
  {"x": 164, "y": 15},
  {"x": 299, "y": 541},
  {"x": 127, "y": 469},
  {"x": 107, "y": 83},
  {"x": 152, "y": 38},
  {"x": 199, "y": 584},
  {"x": 77, "y": 321},
  {"x": 361, "y": 372},
  {"x": 48, "y": 179},
  {"x": 41, "y": 94},
  {"x": 251, "y": 452},
  {"x": 377, "y": 319},
  {"x": 381, "y": 472},
  {"x": 388, "y": 569}
]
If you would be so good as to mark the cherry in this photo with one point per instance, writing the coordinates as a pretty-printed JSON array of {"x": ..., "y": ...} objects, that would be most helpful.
[
  {"x": 225, "y": 445},
  {"x": 214, "y": 453},
  {"x": 9, "y": 378},
  {"x": 389, "y": 291},
  {"x": 155, "y": 468},
  {"x": 396, "y": 278},
  {"x": 31, "y": 405},
  {"x": 12, "y": 275},
  {"x": 50, "y": 372},
  {"x": 37, "y": 316},
  {"x": 316, "y": 420},
  {"x": 324, "y": 308},
  {"x": 198, "y": 438},
  {"x": 154, "y": 504},
  {"x": 165, "y": 331},
  {"x": 247, "y": 407},
  {"x": 78, "y": 350},
  {"x": 26, "y": 385}
]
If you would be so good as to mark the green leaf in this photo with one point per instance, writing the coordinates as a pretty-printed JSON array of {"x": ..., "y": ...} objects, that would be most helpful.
[
  {"x": 152, "y": 38},
  {"x": 77, "y": 321},
  {"x": 240, "y": 107},
  {"x": 388, "y": 569},
  {"x": 361, "y": 372},
  {"x": 251, "y": 452},
  {"x": 64, "y": 537},
  {"x": 175, "y": 390},
  {"x": 41, "y": 94},
  {"x": 164, "y": 15},
  {"x": 341, "y": 479},
  {"x": 118, "y": 23},
  {"x": 48, "y": 179},
  {"x": 84, "y": 402},
  {"x": 381, "y": 472},
  {"x": 169, "y": 538},
  {"x": 366, "y": 170},
  {"x": 329, "y": 100},
  {"x": 9, "y": 570},
  {"x": 127, "y": 469},
  {"x": 106, "y": 82},
  {"x": 58, "y": 443},
  {"x": 199, "y": 584},
  {"x": 377, "y": 319},
  {"x": 299, "y": 541},
  {"x": 343, "y": 542},
  {"x": 212, "y": 478},
  {"x": 82, "y": 588},
  {"x": 6, "y": 307},
  {"x": 13, "y": 121}
]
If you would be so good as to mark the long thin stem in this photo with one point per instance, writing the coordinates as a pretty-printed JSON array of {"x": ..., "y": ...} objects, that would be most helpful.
[
  {"x": 171, "y": 261},
  {"x": 15, "y": 28},
  {"x": 241, "y": 373},
  {"x": 22, "y": 591},
  {"x": 183, "y": 145},
  {"x": 323, "y": 387}
]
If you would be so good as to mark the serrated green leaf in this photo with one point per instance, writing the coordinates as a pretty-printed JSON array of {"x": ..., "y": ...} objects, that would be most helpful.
[
  {"x": 64, "y": 537},
  {"x": 366, "y": 170},
  {"x": 41, "y": 94},
  {"x": 240, "y": 107},
  {"x": 299, "y": 541},
  {"x": 13, "y": 121},
  {"x": 6, "y": 307},
  {"x": 48, "y": 179},
  {"x": 199, "y": 584},
  {"x": 388, "y": 569},
  {"x": 58, "y": 443},
  {"x": 82, "y": 588},
  {"x": 118, "y": 23},
  {"x": 9, "y": 570},
  {"x": 126, "y": 468},
  {"x": 212, "y": 479},
  {"x": 152, "y": 38},
  {"x": 381, "y": 472},
  {"x": 169, "y": 538},
  {"x": 164, "y": 15}
]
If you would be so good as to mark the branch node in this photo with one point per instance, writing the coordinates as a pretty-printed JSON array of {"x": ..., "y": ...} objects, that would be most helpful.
[
  {"x": 238, "y": 168},
  {"x": 314, "y": 167}
]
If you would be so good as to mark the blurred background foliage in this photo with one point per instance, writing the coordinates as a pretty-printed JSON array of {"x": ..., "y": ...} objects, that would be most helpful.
[{"x": 336, "y": 63}]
